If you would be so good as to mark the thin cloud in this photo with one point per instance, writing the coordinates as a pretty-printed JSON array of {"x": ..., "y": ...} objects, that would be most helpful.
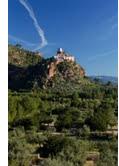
[
  {"x": 104, "y": 54},
  {"x": 115, "y": 25},
  {"x": 31, "y": 46},
  {"x": 110, "y": 25},
  {"x": 39, "y": 30},
  {"x": 112, "y": 18},
  {"x": 113, "y": 22},
  {"x": 16, "y": 39}
]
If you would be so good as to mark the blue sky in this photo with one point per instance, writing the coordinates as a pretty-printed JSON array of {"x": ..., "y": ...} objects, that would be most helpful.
[{"x": 86, "y": 29}]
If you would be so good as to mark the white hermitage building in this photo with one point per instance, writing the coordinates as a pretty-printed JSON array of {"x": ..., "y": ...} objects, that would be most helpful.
[{"x": 61, "y": 56}]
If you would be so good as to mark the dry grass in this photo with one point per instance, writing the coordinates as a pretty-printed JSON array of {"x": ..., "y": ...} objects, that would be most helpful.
[{"x": 89, "y": 163}]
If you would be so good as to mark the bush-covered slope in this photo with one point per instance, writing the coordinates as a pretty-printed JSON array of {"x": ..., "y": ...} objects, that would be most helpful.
[{"x": 21, "y": 57}]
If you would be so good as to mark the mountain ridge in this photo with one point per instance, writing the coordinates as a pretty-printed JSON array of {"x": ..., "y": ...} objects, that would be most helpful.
[{"x": 105, "y": 79}]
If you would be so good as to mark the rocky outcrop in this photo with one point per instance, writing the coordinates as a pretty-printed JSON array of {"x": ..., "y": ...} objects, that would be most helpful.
[
  {"x": 52, "y": 69},
  {"x": 66, "y": 69}
]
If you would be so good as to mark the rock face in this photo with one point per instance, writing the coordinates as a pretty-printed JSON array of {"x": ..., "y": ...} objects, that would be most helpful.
[
  {"x": 52, "y": 69},
  {"x": 65, "y": 68}
]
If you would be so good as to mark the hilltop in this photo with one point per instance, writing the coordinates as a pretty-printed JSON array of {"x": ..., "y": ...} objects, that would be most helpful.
[{"x": 29, "y": 70}]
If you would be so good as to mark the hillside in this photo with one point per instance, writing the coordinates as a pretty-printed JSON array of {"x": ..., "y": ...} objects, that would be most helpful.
[
  {"x": 58, "y": 116},
  {"x": 21, "y": 57}
]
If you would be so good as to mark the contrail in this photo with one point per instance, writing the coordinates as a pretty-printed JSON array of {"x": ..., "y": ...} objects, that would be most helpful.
[{"x": 29, "y": 8}]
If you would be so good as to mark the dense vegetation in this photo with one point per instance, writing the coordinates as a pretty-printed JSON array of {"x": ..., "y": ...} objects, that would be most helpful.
[
  {"x": 21, "y": 57},
  {"x": 63, "y": 123}
]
